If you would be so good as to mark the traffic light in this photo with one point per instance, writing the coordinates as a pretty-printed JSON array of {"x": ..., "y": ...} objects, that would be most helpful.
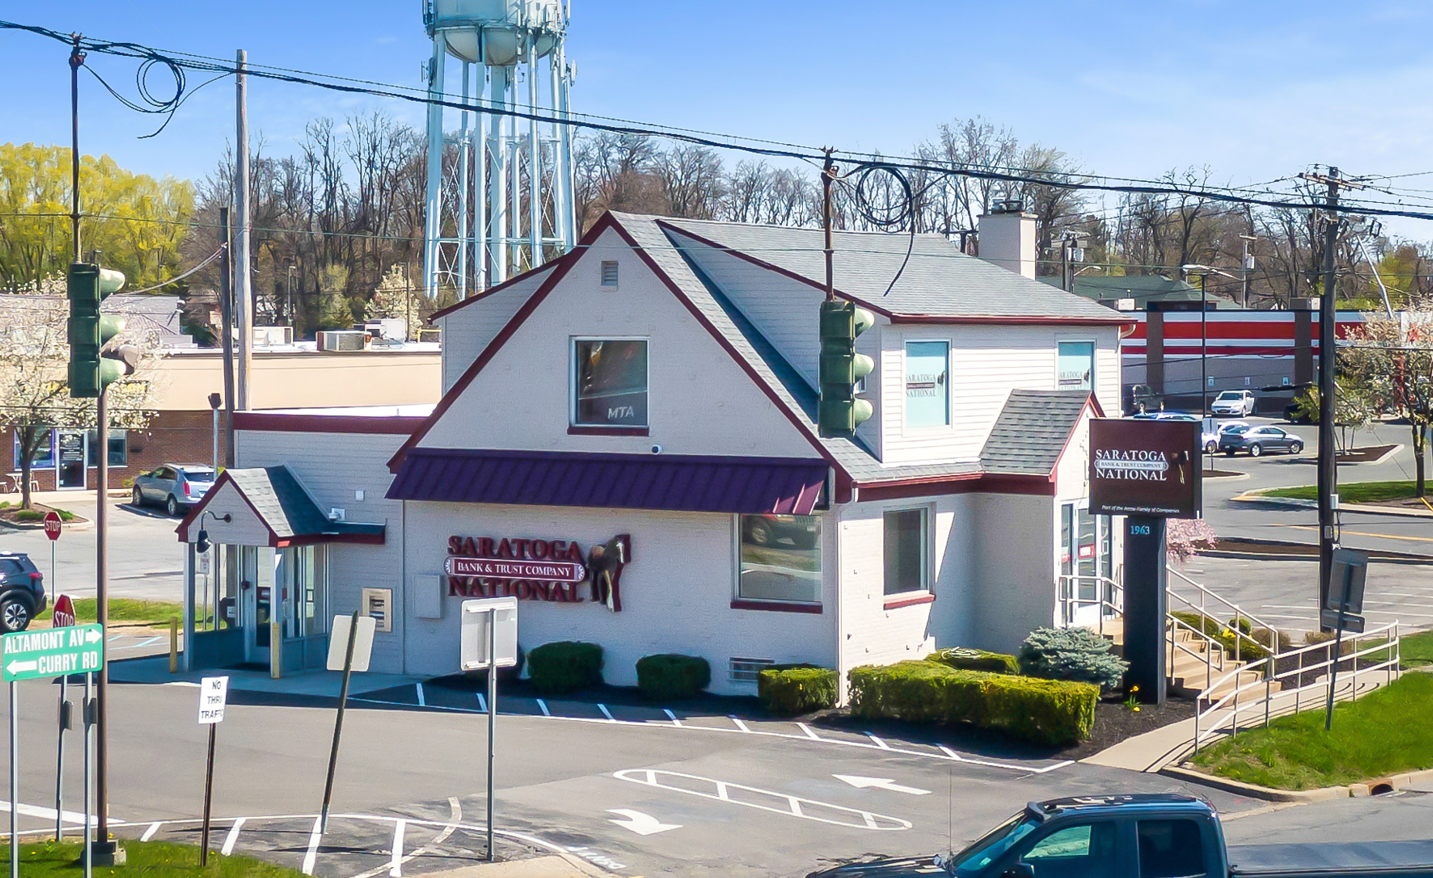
[
  {"x": 89, "y": 332},
  {"x": 841, "y": 367}
]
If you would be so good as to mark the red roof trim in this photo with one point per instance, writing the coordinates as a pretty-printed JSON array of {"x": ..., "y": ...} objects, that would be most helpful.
[
  {"x": 962, "y": 484},
  {"x": 1021, "y": 320},
  {"x": 296, "y": 423},
  {"x": 546, "y": 266},
  {"x": 564, "y": 264},
  {"x": 361, "y": 539}
]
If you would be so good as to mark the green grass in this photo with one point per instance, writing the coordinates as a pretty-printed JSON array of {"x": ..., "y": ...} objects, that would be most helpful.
[
  {"x": 125, "y": 610},
  {"x": 152, "y": 859},
  {"x": 1358, "y": 492},
  {"x": 1386, "y": 732},
  {"x": 1416, "y": 649}
]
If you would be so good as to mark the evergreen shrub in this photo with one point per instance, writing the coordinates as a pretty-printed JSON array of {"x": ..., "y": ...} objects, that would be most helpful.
[
  {"x": 564, "y": 666},
  {"x": 1071, "y": 654},
  {"x": 966, "y": 659},
  {"x": 670, "y": 676}
]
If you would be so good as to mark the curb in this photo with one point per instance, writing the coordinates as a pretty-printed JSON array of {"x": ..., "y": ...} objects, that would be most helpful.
[
  {"x": 1294, "y": 503},
  {"x": 1302, "y": 797},
  {"x": 82, "y": 524},
  {"x": 1310, "y": 552}
]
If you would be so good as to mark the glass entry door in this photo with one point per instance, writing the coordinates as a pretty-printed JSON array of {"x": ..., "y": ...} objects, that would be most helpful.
[
  {"x": 1087, "y": 564},
  {"x": 256, "y": 601},
  {"x": 73, "y": 458}
]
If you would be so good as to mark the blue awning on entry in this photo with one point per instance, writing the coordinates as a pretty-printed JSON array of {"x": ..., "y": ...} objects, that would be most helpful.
[{"x": 678, "y": 483}]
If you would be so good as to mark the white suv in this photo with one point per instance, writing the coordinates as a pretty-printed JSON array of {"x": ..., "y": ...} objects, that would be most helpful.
[{"x": 1239, "y": 403}]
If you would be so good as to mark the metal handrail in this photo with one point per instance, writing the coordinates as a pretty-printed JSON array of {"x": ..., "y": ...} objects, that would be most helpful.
[
  {"x": 1384, "y": 640},
  {"x": 1239, "y": 613},
  {"x": 1071, "y": 603}
]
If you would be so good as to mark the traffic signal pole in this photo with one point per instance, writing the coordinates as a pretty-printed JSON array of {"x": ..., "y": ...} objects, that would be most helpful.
[{"x": 828, "y": 173}]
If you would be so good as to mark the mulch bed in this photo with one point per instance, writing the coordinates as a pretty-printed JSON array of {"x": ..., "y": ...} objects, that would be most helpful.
[
  {"x": 8, "y": 515},
  {"x": 1357, "y": 455},
  {"x": 1114, "y": 723}
]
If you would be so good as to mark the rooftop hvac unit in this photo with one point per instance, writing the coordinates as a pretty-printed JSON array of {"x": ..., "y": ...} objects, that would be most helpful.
[
  {"x": 342, "y": 340},
  {"x": 273, "y": 336}
]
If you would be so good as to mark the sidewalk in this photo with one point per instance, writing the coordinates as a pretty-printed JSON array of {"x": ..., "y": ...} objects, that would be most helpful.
[
  {"x": 154, "y": 670},
  {"x": 555, "y": 866},
  {"x": 1294, "y": 503}
]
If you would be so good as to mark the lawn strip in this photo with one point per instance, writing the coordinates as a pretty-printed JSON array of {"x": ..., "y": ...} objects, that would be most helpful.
[{"x": 152, "y": 859}]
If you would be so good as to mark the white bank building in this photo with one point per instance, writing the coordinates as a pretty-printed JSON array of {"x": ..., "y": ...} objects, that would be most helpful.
[{"x": 627, "y": 443}]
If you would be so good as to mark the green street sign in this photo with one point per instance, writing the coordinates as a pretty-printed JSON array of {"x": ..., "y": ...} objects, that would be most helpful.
[{"x": 34, "y": 655}]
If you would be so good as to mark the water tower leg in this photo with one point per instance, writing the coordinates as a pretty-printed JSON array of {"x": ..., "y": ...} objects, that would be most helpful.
[
  {"x": 497, "y": 185},
  {"x": 432, "y": 218},
  {"x": 534, "y": 160},
  {"x": 464, "y": 240}
]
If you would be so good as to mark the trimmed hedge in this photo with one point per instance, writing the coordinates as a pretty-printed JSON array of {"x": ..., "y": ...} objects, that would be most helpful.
[
  {"x": 1077, "y": 654},
  {"x": 669, "y": 676},
  {"x": 1048, "y": 712},
  {"x": 791, "y": 690},
  {"x": 564, "y": 666},
  {"x": 965, "y": 659}
]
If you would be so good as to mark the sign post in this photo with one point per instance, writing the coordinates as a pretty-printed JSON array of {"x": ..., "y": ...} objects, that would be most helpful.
[
  {"x": 62, "y": 616},
  {"x": 489, "y": 641},
  {"x": 213, "y": 692},
  {"x": 35, "y": 655},
  {"x": 1146, "y": 471},
  {"x": 356, "y": 633}
]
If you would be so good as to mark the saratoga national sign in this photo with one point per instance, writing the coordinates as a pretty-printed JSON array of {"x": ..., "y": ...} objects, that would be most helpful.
[{"x": 540, "y": 570}]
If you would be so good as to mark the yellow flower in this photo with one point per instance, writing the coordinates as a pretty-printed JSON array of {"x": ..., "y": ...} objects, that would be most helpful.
[
  {"x": 1136, "y": 710},
  {"x": 1134, "y": 688}
]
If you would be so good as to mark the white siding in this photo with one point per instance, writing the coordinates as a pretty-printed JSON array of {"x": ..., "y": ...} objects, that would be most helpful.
[
  {"x": 987, "y": 362},
  {"x": 244, "y": 530},
  {"x": 676, "y": 592},
  {"x": 1012, "y": 544},
  {"x": 884, "y": 636},
  {"x": 332, "y": 467},
  {"x": 700, "y": 401},
  {"x": 470, "y": 329}
]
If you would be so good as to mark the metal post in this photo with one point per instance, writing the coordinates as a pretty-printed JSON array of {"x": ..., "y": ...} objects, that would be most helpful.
[
  {"x": 14, "y": 783},
  {"x": 492, "y": 718},
  {"x": 1328, "y": 462},
  {"x": 226, "y": 317},
  {"x": 110, "y": 853},
  {"x": 463, "y": 154},
  {"x": 1204, "y": 353},
  {"x": 242, "y": 293},
  {"x": 828, "y": 173},
  {"x": 215, "y": 434},
  {"x": 87, "y": 717},
  {"x": 497, "y": 180},
  {"x": 534, "y": 160},
  {"x": 338, "y": 724},
  {"x": 1338, "y": 646},
  {"x": 432, "y": 217},
  {"x": 64, "y": 723},
  {"x": 208, "y": 798}
]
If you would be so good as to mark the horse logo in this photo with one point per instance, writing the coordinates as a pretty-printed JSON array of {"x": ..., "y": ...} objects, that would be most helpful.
[{"x": 604, "y": 570}]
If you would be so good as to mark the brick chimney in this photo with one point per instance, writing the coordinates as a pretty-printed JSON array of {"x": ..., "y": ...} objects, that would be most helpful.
[{"x": 1007, "y": 237}]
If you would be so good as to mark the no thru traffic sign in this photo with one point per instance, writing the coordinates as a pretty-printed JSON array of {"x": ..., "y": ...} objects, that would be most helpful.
[
  {"x": 213, "y": 692},
  {"x": 34, "y": 655}
]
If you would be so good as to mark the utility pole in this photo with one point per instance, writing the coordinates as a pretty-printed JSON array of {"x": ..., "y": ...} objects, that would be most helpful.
[
  {"x": 828, "y": 175},
  {"x": 242, "y": 294},
  {"x": 1328, "y": 461},
  {"x": 226, "y": 328},
  {"x": 77, "y": 60}
]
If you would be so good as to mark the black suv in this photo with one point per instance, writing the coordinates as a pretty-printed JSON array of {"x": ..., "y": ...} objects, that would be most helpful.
[{"x": 22, "y": 591}]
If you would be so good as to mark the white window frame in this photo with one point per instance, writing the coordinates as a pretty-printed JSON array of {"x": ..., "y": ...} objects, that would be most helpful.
[
  {"x": 949, "y": 386},
  {"x": 736, "y": 594},
  {"x": 927, "y": 511},
  {"x": 1094, "y": 360},
  {"x": 572, "y": 343}
]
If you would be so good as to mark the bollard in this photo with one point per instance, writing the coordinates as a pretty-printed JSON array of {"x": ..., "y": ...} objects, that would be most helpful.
[{"x": 174, "y": 645}]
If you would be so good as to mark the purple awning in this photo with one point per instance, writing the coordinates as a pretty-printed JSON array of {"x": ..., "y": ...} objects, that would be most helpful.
[{"x": 624, "y": 481}]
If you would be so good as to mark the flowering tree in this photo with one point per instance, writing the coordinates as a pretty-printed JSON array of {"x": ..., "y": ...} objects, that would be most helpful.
[
  {"x": 1183, "y": 537},
  {"x": 1393, "y": 359}
]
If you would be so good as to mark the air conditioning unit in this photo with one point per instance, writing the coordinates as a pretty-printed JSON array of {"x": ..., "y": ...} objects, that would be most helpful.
[
  {"x": 273, "y": 336},
  {"x": 342, "y": 340}
]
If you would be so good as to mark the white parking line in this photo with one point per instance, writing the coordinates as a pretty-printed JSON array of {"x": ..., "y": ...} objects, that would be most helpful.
[
  {"x": 314, "y": 838},
  {"x": 607, "y": 713},
  {"x": 753, "y": 797},
  {"x": 421, "y": 701},
  {"x": 542, "y": 706},
  {"x": 147, "y": 642},
  {"x": 482, "y": 703},
  {"x": 232, "y": 837},
  {"x": 43, "y": 813},
  {"x": 739, "y": 724},
  {"x": 878, "y": 742},
  {"x": 673, "y": 717},
  {"x": 149, "y": 833},
  {"x": 395, "y": 869},
  {"x": 949, "y": 752},
  {"x": 807, "y": 729}
]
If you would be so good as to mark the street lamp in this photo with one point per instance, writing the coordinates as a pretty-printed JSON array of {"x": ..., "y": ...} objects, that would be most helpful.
[
  {"x": 291, "y": 294},
  {"x": 1204, "y": 271}
]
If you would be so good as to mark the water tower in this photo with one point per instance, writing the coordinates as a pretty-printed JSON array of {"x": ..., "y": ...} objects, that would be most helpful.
[{"x": 500, "y": 187}]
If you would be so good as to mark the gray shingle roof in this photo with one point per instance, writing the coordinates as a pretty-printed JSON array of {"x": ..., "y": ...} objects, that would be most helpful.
[
  {"x": 286, "y": 508},
  {"x": 1031, "y": 431},
  {"x": 939, "y": 280}
]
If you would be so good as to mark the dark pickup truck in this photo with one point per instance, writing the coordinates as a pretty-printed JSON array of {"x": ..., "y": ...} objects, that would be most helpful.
[{"x": 1150, "y": 836}]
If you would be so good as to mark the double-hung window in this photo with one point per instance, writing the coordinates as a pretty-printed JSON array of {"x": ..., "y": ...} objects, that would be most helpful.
[
  {"x": 907, "y": 550},
  {"x": 609, "y": 382},
  {"x": 780, "y": 558}
]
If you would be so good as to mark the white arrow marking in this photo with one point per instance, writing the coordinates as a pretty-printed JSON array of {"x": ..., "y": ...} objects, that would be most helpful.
[
  {"x": 642, "y": 824},
  {"x": 16, "y": 667},
  {"x": 880, "y": 783},
  {"x": 92, "y": 635}
]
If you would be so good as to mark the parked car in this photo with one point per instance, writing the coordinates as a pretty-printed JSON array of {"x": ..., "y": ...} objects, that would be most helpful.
[
  {"x": 1234, "y": 403},
  {"x": 1143, "y": 835},
  {"x": 22, "y": 591},
  {"x": 176, "y": 486},
  {"x": 1165, "y": 416},
  {"x": 1257, "y": 440},
  {"x": 1213, "y": 429},
  {"x": 766, "y": 530},
  {"x": 1142, "y": 398}
]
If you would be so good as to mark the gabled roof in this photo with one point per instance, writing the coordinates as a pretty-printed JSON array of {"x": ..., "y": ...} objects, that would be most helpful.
[
  {"x": 1032, "y": 431},
  {"x": 938, "y": 284},
  {"x": 283, "y": 506},
  {"x": 539, "y": 272}
]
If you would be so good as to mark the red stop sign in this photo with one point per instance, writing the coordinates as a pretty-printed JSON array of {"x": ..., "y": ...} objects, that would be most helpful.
[
  {"x": 64, "y": 614},
  {"x": 52, "y": 525}
]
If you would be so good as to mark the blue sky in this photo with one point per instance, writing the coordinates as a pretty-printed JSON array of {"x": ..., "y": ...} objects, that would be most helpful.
[{"x": 1255, "y": 90}]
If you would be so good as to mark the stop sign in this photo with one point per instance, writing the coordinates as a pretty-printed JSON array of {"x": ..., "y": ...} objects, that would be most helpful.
[
  {"x": 52, "y": 525},
  {"x": 64, "y": 614}
]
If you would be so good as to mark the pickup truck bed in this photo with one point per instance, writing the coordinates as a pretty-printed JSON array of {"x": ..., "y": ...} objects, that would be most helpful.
[{"x": 1404, "y": 859}]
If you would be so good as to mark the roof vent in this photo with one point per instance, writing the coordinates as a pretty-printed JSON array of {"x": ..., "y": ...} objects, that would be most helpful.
[
  {"x": 1008, "y": 205},
  {"x": 609, "y": 274},
  {"x": 342, "y": 340}
]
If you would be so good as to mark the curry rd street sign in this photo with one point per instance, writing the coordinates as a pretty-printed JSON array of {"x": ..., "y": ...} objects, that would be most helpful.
[{"x": 34, "y": 655}]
